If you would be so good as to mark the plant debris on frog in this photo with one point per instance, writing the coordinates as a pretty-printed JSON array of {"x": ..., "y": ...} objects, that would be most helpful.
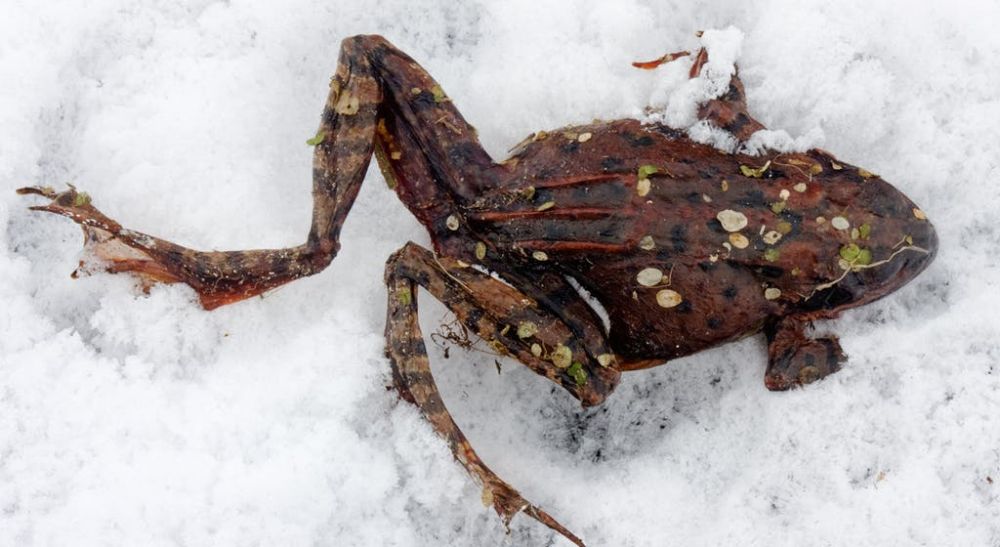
[{"x": 685, "y": 246}]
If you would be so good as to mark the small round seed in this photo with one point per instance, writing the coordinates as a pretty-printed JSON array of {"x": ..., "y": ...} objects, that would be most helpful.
[
  {"x": 540, "y": 256},
  {"x": 480, "y": 250},
  {"x": 647, "y": 243},
  {"x": 642, "y": 187},
  {"x": 772, "y": 293},
  {"x": 584, "y": 137},
  {"x": 649, "y": 277},
  {"x": 526, "y": 329},
  {"x": 668, "y": 298},
  {"x": 451, "y": 222},
  {"x": 562, "y": 356},
  {"x": 800, "y": 187},
  {"x": 605, "y": 359},
  {"x": 739, "y": 241},
  {"x": 732, "y": 221},
  {"x": 784, "y": 194},
  {"x": 772, "y": 237},
  {"x": 840, "y": 223},
  {"x": 536, "y": 350}
]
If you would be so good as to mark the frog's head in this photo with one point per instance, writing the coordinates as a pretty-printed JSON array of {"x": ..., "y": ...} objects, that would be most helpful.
[{"x": 885, "y": 241}]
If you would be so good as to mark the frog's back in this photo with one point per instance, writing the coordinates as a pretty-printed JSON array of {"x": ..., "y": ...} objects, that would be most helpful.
[{"x": 632, "y": 212}]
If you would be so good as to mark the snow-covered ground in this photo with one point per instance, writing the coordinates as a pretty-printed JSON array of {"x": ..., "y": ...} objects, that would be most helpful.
[{"x": 144, "y": 420}]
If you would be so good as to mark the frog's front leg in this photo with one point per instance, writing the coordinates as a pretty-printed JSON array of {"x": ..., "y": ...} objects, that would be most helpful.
[
  {"x": 795, "y": 359},
  {"x": 512, "y": 323}
]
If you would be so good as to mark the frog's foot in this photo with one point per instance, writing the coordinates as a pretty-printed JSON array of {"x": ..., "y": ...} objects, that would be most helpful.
[
  {"x": 218, "y": 277},
  {"x": 729, "y": 111},
  {"x": 512, "y": 323},
  {"x": 795, "y": 360},
  {"x": 106, "y": 243}
]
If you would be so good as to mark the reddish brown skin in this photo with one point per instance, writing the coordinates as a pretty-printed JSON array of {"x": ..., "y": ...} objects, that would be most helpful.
[{"x": 567, "y": 206}]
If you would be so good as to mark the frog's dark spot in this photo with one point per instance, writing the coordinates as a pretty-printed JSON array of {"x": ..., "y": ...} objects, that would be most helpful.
[
  {"x": 772, "y": 272},
  {"x": 421, "y": 278},
  {"x": 741, "y": 120},
  {"x": 417, "y": 346},
  {"x": 716, "y": 226},
  {"x": 668, "y": 132},
  {"x": 547, "y": 173},
  {"x": 638, "y": 140},
  {"x": 663, "y": 254},
  {"x": 463, "y": 153},
  {"x": 474, "y": 316},
  {"x": 714, "y": 322},
  {"x": 377, "y": 53},
  {"x": 773, "y": 173},
  {"x": 753, "y": 199},
  {"x": 733, "y": 94},
  {"x": 710, "y": 173},
  {"x": 610, "y": 163},
  {"x": 678, "y": 238},
  {"x": 419, "y": 103},
  {"x": 809, "y": 359},
  {"x": 693, "y": 197},
  {"x": 828, "y": 299},
  {"x": 730, "y": 292},
  {"x": 706, "y": 266},
  {"x": 570, "y": 147},
  {"x": 684, "y": 307}
]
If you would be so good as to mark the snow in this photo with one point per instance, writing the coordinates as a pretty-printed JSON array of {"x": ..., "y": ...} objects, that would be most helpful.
[{"x": 143, "y": 420}]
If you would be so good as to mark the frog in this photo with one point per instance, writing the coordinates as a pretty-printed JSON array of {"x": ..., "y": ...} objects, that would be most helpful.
[{"x": 591, "y": 251}]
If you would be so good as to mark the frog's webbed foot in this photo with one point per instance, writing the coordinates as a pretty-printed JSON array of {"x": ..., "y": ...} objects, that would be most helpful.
[
  {"x": 796, "y": 360},
  {"x": 114, "y": 248},
  {"x": 512, "y": 323}
]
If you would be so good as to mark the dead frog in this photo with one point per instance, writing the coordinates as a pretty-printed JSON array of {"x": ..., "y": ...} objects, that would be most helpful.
[{"x": 685, "y": 246}]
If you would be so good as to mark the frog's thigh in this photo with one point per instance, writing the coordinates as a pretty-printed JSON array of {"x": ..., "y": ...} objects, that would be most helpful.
[
  {"x": 421, "y": 135},
  {"x": 794, "y": 359},
  {"x": 511, "y": 322},
  {"x": 501, "y": 315}
]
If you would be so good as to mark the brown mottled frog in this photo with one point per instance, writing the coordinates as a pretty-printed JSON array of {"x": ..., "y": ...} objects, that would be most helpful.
[{"x": 684, "y": 246}]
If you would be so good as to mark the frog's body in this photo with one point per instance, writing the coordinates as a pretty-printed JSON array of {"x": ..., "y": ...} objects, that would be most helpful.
[{"x": 684, "y": 246}]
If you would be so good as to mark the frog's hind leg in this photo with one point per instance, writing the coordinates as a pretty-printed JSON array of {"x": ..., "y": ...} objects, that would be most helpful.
[
  {"x": 512, "y": 323},
  {"x": 343, "y": 149},
  {"x": 795, "y": 359},
  {"x": 421, "y": 133}
]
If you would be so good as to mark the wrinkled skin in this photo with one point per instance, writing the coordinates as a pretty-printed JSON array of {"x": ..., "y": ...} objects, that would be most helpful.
[{"x": 685, "y": 247}]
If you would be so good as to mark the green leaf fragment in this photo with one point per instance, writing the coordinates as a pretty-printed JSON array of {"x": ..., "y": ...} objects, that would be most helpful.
[
  {"x": 755, "y": 173},
  {"x": 439, "y": 96},
  {"x": 784, "y": 227},
  {"x": 864, "y": 258},
  {"x": 850, "y": 252},
  {"x": 772, "y": 254},
  {"x": 576, "y": 372},
  {"x": 646, "y": 170},
  {"x": 778, "y": 206},
  {"x": 318, "y": 139},
  {"x": 865, "y": 230},
  {"x": 81, "y": 199},
  {"x": 405, "y": 297}
]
